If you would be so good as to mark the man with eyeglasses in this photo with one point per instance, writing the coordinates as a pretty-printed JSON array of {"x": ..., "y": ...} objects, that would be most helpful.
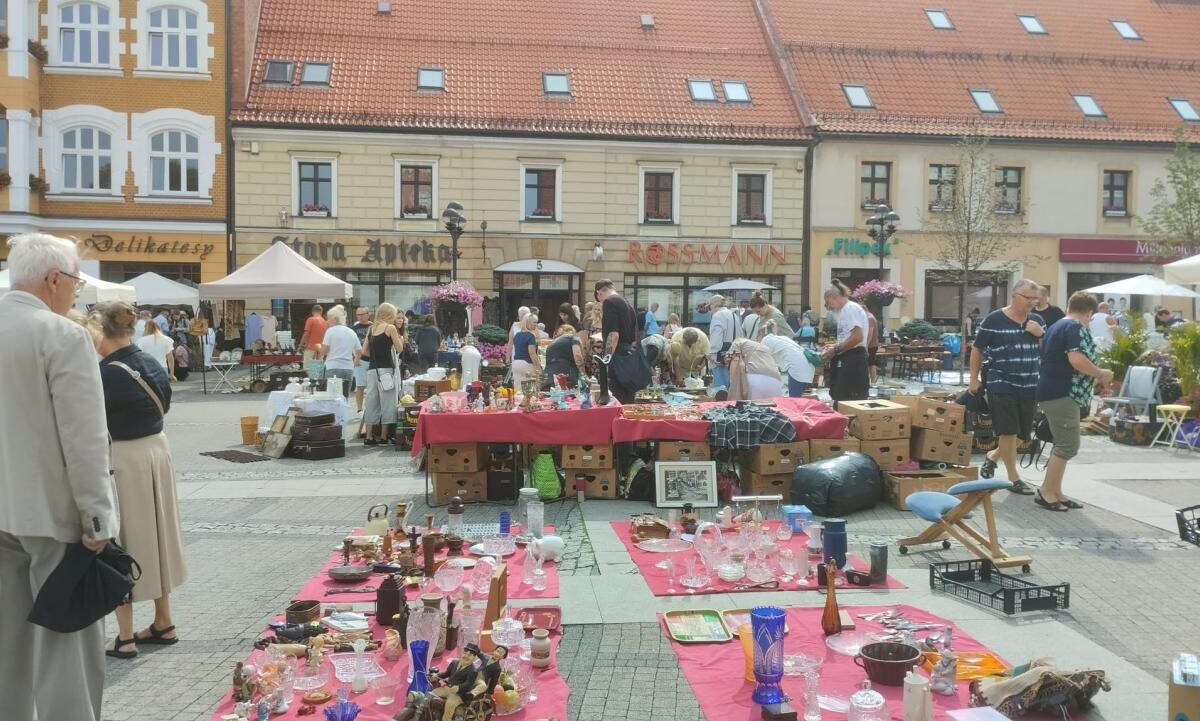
[
  {"x": 55, "y": 485},
  {"x": 1007, "y": 342},
  {"x": 362, "y": 324}
]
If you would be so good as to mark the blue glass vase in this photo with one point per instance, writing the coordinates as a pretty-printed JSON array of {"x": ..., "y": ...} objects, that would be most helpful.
[
  {"x": 834, "y": 537},
  {"x": 766, "y": 624},
  {"x": 418, "y": 652}
]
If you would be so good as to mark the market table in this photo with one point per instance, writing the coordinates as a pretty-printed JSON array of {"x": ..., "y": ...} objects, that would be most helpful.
[
  {"x": 550, "y": 427},
  {"x": 260, "y": 363},
  {"x": 812, "y": 419}
]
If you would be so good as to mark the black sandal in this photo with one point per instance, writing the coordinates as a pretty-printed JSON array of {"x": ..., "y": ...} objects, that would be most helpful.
[
  {"x": 157, "y": 637},
  {"x": 1021, "y": 488},
  {"x": 1074, "y": 505},
  {"x": 116, "y": 651},
  {"x": 988, "y": 468},
  {"x": 1058, "y": 506}
]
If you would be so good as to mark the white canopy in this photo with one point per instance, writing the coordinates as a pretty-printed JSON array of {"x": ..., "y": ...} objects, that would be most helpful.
[
  {"x": 1144, "y": 285},
  {"x": 94, "y": 290},
  {"x": 154, "y": 289},
  {"x": 738, "y": 284},
  {"x": 279, "y": 272},
  {"x": 1183, "y": 272}
]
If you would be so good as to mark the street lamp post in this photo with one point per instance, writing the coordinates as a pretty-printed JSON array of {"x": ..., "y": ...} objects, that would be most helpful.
[
  {"x": 881, "y": 227},
  {"x": 455, "y": 223}
]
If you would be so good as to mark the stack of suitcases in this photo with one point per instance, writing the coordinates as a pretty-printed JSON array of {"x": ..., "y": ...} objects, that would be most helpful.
[{"x": 316, "y": 437}]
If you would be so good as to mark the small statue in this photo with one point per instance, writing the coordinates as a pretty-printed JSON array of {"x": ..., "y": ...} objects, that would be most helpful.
[
  {"x": 413, "y": 536},
  {"x": 242, "y": 709},
  {"x": 943, "y": 678},
  {"x": 315, "y": 648},
  {"x": 280, "y": 701},
  {"x": 244, "y": 685}
]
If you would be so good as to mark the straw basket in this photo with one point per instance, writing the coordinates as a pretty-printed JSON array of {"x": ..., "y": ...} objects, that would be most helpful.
[{"x": 249, "y": 430}]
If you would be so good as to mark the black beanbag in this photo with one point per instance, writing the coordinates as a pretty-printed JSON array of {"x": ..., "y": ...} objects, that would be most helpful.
[{"x": 838, "y": 486}]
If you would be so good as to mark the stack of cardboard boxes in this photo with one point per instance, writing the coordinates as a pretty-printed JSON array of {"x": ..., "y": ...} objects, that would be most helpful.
[
  {"x": 590, "y": 467},
  {"x": 767, "y": 470},
  {"x": 882, "y": 428},
  {"x": 459, "y": 469},
  {"x": 939, "y": 433}
]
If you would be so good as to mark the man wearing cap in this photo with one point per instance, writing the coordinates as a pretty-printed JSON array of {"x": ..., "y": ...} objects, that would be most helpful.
[{"x": 457, "y": 681}]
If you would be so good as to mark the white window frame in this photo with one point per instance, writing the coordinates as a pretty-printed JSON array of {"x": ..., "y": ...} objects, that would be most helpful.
[
  {"x": 59, "y": 120},
  {"x": 1117, "y": 26},
  {"x": 557, "y": 167},
  {"x": 991, "y": 95},
  {"x": 317, "y": 63},
  {"x": 712, "y": 88},
  {"x": 942, "y": 15},
  {"x": 1180, "y": 104},
  {"x": 676, "y": 191},
  {"x": 431, "y": 69},
  {"x": 846, "y": 88},
  {"x": 546, "y": 75},
  {"x": 205, "y": 49},
  {"x": 298, "y": 158},
  {"x": 145, "y": 125},
  {"x": 53, "y": 22},
  {"x": 768, "y": 190},
  {"x": 398, "y": 206},
  {"x": 1082, "y": 100},
  {"x": 4, "y": 142},
  {"x": 736, "y": 101},
  {"x": 1032, "y": 24}
]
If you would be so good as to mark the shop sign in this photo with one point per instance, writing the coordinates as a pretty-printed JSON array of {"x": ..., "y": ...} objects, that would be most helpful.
[
  {"x": 715, "y": 253},
  {"x": 860, "y": 248},
  {"x": 147, "y": 246},
  {"x": 376, "y": 252},
  {"x": 1117, "y": 250}
]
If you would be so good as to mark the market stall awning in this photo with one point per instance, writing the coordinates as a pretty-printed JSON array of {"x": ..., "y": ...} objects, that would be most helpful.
[
  {"x": 738, "y": 284},
  {"x": 279, "y": 272},
  {"x": 94, "y": 290},
  {"x": 1183, "y": 272},
  {"x": 1144, "y": 285},
  {"x": 154, "y": 289}
]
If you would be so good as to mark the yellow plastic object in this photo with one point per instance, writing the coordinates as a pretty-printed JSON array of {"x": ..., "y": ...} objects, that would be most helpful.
[
  {"x": 747, "y": 639},
  {"x": 971, "y": 665},
  {"x": 407, "y": 399}
]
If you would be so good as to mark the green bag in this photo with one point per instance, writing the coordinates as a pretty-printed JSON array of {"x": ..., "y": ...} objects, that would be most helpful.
[
  {"x": 545, "y": 477},
  {"x": 813, "y": 357}
]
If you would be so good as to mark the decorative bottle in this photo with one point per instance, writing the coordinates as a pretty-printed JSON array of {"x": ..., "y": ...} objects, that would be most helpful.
[{"x": 831, "y": 621}]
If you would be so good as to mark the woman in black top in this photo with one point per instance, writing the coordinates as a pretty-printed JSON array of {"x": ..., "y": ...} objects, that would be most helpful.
[
  {"x": 380, "y": 415},
  {"x": 565, "y": 355},
  {"x": 137, "y": 393}
]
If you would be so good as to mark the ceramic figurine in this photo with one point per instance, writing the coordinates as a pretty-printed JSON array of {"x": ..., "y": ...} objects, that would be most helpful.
[
  {"x": 944, "y": 676},
  {"x": 280, "y": 705},
  {"x": 413, "y": 536},
  {"x": 315, "y": 648},
  {"x": 549, "y": 548},
  {"x": 263, "y": 711},
  {"x": 239, "y": 680},
  {"x": 242, "y": 709}
]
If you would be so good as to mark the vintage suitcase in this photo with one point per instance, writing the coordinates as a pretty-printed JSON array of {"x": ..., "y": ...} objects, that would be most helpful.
[
  {"x": 317, "y": 433},
  {"x": 1131, "y": 432},
  {"x": 314, "y": 419},
  {"x": 318, "y": 450}
]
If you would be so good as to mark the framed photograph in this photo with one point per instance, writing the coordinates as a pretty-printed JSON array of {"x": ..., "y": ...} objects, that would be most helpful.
[
  {"x": 290, "y": 420},
  {"x": 680, "y": 482},
  {"x": 276, "y": 444},
  {"x": 280, "y": 424}
]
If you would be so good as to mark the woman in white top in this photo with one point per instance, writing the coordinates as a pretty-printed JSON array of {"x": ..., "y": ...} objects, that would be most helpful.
[
  {"x": 753, "y": 374},
  {"x": 673, "y": 326},
  {"x": 792, "y": 362},
  {"x": 158, "y": 345},
  {"x": 846, "y": 359},
  {"x": 339, "y": 349}
]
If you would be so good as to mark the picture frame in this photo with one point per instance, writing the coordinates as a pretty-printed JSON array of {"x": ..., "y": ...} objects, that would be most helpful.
[
  {"x": 290, "y": 421},
  {"x": 280, "y": 424},
  {"x": 276, "y": 444},
  {"x": 680, "y": 482}
]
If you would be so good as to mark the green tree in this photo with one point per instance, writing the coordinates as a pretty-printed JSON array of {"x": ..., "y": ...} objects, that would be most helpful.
[{"x": 1174, "y": 221}]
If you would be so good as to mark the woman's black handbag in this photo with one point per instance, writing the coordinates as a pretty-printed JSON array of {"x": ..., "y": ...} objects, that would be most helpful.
[{"x": 85, "y": 587}]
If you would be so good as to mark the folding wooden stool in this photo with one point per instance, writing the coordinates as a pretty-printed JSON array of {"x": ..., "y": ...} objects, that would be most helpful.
[{"x": 947, "y": 514}]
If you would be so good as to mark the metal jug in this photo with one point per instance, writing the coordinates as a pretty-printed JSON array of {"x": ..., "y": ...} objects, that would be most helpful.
[{"x": 377, "y": 520}]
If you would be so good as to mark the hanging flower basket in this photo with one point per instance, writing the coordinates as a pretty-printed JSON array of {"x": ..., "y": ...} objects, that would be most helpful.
[
  {"x": 878, "y": 293},
  {"x": 456, "y": 292}
]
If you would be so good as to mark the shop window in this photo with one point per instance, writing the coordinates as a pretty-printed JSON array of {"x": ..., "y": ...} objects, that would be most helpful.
[
  {"x": 174, "y": 39},
  {"x": 86, "y": 160},
  {"x": 1116, "y": 193},
  {"x": 405, "y": 290},
  {"x": 942, "y": 187},
  {"x": 1008, "y": 190},
  {"x": 416, "y": 191},
  {"x": 751, "y": 198},
  {"x": 120, "y": 272},
  {"x": 540, "y": 197},
  {"x": 685, "y": 294},
  {"x": 854, "y": 277},
  {"x": 315, "y": 181},
  {"x": 658, "y": 197},
  {"x": 986, "y": 291},
  {"x": 874, "y": 184},
  {"x": 85, "y": 34},
  {"x": 174, "y": 163}
]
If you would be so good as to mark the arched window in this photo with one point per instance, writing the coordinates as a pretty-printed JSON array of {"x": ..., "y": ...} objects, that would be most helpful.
[
  {"x": 174, "y": 163},
  {"x": 86, "y": 160},
  {"x": 174, "y": 39},
  {"x": 84, "y": 34}
]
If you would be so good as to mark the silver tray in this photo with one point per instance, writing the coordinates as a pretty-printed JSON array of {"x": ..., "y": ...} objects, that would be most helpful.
[{"x": 664, "y": 545}]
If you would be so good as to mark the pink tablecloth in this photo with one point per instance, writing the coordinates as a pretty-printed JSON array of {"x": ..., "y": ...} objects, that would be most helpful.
[
  {"x": 658, "y": 581},
  {"x": 549, "y": 427},
  {"x": 812, "y": 419},
  {"x": 715, "y": 670}
]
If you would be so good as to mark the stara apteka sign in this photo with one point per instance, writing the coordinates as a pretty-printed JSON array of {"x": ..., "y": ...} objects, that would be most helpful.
[
  {"x": 147, "y": 245},
  {"x": 375, "y": 251},
  {"x": 659, "y": 254}
]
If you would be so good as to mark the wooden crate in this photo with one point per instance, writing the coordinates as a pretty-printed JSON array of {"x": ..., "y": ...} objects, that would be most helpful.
[
  {"x": 770, "y": 458},
  {"x": 468, "y": 486},
  {"x": 899, "y": 485},
  {"x": 423, "y": 390},
  {"x": 457, "y": 457},
  {"x": 683, "y": 451},
  {"x": 877, "y": 420},
  {"x": 587, "y": 456},
  {"x": 819, "y": 448}
]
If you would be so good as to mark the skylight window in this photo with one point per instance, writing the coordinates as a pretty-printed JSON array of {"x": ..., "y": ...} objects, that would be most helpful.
[
  {"x": 702, "y": 90},
  {"x": 940, "y": 19},
  {"x": 985, "y": 101},
  {"x": 736, "y": 91},
  {"x": 1089, "y": 106},
  {"x": 556, "y": 83},
  {"x": 431, "y": 79},
  {"x": 278, "y": 71},
  {"x": 1126, "y": 30},
  {"x": 315, "y": 73},
  {"x": 1186, "y": 110},
  {"x": 857, "y": 96},
  {"x": 1033, "y": 26}
]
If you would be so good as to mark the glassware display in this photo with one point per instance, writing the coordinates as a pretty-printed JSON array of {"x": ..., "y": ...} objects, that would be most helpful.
[
  {"x": 418, "y": 666},
  {"x": 760, "y": 568},
  {"x": 508, "y": 632},
  {"x": 539, "y": 574},
  {"x": 535, "y": 517},
  {"x": 789, "y": 565},
  {"x": 499, "y": 545},
  {"x": 694, "y": 577},
  {"x": 814, "y": 546},
  {"x": 708, "y": 541},
  {"x": 424, "y": 624},
  {"x": 470, "y": 623},
  {"x": 448, "y": 578},
  {"x": 480, "y": 581},
  {"x": 812, "y": 703},
  {"x": 867, "y": 704},
  {"x": 831, "y": 621},
  {"x": 784, "y": 532},
  {"x": 385, "y": 689},
  {"x": 767, "y": 625},
  {"x": 358, "y": 684},
  {"x": 668, "y": 565}
]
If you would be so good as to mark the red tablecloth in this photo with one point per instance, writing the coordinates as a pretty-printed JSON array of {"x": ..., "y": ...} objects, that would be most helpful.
[
  {"x": 550, "y": 427},
  {"x": 812, "y": 419},
  {"x": 716, "y": 670},
  {"x": 271, "y": 359},
  {"x": 659, "y": 582}
]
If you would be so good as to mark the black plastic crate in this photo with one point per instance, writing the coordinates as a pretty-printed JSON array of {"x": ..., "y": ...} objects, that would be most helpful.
[
  {"x": 981, "y": 583},
  {"x": 1189, "y": 524}
]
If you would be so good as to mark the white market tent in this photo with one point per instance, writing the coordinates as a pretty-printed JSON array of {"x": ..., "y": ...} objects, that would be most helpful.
[
  {"x": 1183, "y": 272},
  {"x": 154, "y": 289},
  {"x": 1144, "y": 285},
  {"x": 94, "y": 290},
  {"x": 279, "y": 272}
]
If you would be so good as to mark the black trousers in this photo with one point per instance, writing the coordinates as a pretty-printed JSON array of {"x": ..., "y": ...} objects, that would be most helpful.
[{"x": 848, "y": 376}]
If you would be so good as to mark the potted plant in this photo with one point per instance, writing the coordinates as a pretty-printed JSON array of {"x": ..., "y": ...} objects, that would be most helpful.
[
  {"x": 658, "y": 216},
  {"x": 1114, "y": 211},
  {"x": 1005, "y": 207},
  {"x": 872, "y": 203},
  {"x": 878, "y": 293},
  {"x": 1185, "y": 356},
  {"x": 753, "y": 218},
  {"x": 542, "y": 213},
  {"x": 1126, "y": 350},
  {"x": 416, "y": 211},
  {"x": 917, "y": 331},
  {"x": 38, "y": 185},
  {"x": 38, "y": 51},
  {"x": 314, "y": 210},
  {"x": 450, "y": 304},
  {"x": 5, "y": 179}
]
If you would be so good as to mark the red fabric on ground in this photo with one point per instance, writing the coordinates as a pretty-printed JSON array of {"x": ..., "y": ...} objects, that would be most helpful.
[{"x": 812, "y": 419}]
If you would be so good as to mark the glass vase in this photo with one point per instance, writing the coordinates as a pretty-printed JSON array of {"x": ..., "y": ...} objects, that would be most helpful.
[
  {"x": 536, "y": 514},
  {"x": 767, "y": 624},
  {"x": 418, "y": 652},
  {"x": 424, "y": 624}
]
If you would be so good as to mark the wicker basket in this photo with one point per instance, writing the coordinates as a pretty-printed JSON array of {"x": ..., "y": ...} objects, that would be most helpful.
[
  {"x": 249, "y": 430},
  {"x": 303, "y": 611}
]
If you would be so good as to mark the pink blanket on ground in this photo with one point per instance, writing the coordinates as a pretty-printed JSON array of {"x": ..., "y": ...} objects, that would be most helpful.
[{"x": 659, "y": 582}]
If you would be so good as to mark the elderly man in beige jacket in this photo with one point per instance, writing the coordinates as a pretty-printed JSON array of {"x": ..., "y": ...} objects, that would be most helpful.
[{"x": 55, "y": 486}]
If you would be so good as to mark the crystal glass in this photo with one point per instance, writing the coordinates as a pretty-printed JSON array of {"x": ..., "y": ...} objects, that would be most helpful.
[
  {"x": 708, "y": 541},
  {"x": 668, "y": 565},
  {"x": 788, "y": 564},
  {"x": 539, "y": 574},
  {"x": 470, "y": 623},
  {"x": 448, "y": 578},
  {"x": 419, "y": 652},
  {"x": 783, "y": 532},
  {"x": 867, "y": 704},
  {"x": 424, "y": 624},
  {"x": 499, "y": 545},
  {"x": 535, "y": 518},
  {"x": 508, "y": 632},
  {"x": 760, "y": 568},
  {"x": 385, "y": 689},
  {"x": 767, "y": 625},
  {"x": 694, "y": 577},
  {"x": 480, "y": 580}
]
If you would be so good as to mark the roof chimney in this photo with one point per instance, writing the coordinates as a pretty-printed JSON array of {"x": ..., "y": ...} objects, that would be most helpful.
[
  {"x": 385, "y": 7},
  {"x": 647, "y": 21}
]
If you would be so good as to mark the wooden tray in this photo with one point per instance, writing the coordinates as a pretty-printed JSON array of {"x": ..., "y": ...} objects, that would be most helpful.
[
  {"x": 702, "y": 625},
  {"x": 547, "y": 617}
]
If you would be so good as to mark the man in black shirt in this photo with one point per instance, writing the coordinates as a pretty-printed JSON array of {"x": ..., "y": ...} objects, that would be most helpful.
[
  {"x": 362, "y": 324},
  {"x": 1051, "y": 314},
  {"x": 619, "y": 330},
  {"x": 429, "y": 340}
]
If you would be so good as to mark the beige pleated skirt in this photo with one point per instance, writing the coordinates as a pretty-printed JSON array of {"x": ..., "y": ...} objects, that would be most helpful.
[{"x": 150, "y": 531}]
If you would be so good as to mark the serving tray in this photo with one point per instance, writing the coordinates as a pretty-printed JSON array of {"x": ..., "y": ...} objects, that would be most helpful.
[
  {"x": 547, "y": 617},
  {"x": 702, "y": 625}
]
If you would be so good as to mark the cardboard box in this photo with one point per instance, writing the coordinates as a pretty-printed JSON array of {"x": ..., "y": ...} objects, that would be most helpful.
[
  {"x": 761, "y": 484},
  {"x": 468, "y": 486},
  {"x": 598, "y": 482},
  {"x": 457, "y": 457},
  {"x": 776, "y": 457},
  {"x": 968, "y": 473},
  {"x": 912, "y": 403},
  {"x": 819, "y": 448},
  {"x": 683, "y": 451},
  {"x": 940, "y": 416},
  {"x": 952, "y": 448},
  {"x": 899, "y": 485},
  {"x": 576, "y": 456},
  {"x": 1183, "y": 701},
  {"x": 423, "y": 390},
  {"x": 888, "y": 454},
  {"x": 877, "y": 420}
]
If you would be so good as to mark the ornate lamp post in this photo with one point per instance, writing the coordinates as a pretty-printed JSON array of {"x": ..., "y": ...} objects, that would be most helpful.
[
  {"x": 455, "y": 223},
  {"x": 881, "y": 227}
]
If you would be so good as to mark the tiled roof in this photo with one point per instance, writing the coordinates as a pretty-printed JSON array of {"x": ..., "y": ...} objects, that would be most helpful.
[
  {"x": 626, "y": 80},
  {"x": 918, "y": 77}
]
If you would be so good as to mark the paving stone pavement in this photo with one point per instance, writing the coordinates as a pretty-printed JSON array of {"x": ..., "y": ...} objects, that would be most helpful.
[{"x": 1132, "y": 585}]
